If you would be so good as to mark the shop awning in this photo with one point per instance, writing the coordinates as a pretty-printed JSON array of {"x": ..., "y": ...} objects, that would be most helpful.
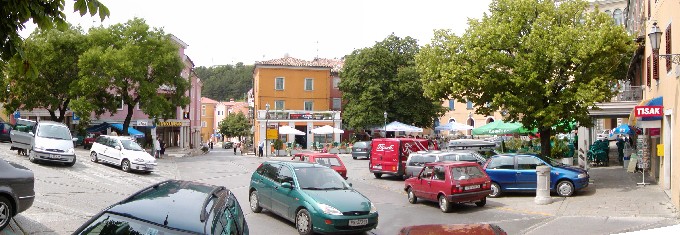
[
  {"x": 98, "y": 128},
  {"x": 131, "y": 131},
  {"x": 647, "y": 122}
]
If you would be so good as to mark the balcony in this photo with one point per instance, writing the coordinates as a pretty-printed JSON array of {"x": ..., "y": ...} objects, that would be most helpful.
[{"x": 629, "y": 93}]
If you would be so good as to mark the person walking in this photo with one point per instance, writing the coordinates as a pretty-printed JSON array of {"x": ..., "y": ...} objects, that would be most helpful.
[
  {"x": 242, "y": 146},
  {"x": 157, "y": 148},
  {"x": 211, "y": 144},
  {"x": 260, "y": 148},
  {"x": 235, "y": 146}
]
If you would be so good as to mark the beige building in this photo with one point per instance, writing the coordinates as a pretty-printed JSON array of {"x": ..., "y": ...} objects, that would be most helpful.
[{"x": 464, "y": 113}]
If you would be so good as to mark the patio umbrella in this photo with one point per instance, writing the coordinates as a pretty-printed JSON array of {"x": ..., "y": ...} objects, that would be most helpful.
[
  {"x": 454, "y": 126},
  {"x": 398, "y": 126},
  {"x": 500, "y": 128},
  {"x": 285, "y": 130},
  {"x": 325, "y": 130},
  {"x": 624, "y": 129}
]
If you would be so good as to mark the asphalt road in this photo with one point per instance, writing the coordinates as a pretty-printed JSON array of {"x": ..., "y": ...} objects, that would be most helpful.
[{"x": 67, "y": 196}]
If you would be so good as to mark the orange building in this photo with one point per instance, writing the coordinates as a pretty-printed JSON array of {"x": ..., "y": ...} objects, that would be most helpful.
[
  {"x": 298, "y": 94},
  {"x": 208, "y": 127}
]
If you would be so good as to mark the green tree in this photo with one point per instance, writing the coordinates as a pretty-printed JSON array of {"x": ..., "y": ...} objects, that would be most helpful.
[
  {"x": 46, "y": 14},
  {"x": 44, "y": 77},
  {"x": 135, "y": 65},
  {"x": 223, "y": 82},
  {"x": 384, "y": 78},
  {"x": 234, "y": 125},
  {"x": 544, "y": 63}
]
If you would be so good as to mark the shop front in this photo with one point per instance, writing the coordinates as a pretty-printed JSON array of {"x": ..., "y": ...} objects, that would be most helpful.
[
  {"x": 304, "y": 121},
  {"x": 649, "y": 146}
]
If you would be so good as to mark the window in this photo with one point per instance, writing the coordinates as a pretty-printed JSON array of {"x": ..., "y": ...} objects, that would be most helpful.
[
  {"x": 469, "y": 104},
  {"x": 527, "y": 163},
  {"x": 279, "y": 104},
  {"x": 504, "y": 162},
  {"x": 309, "y": 105},
  {"x": 271, "y": 171},
  {"x": 439, "y": 173},
  {"x": 668, "y": 48},
  {"x": 649, "y": 71},
  {"x": 309, "y": 84},
  {"x": 467, "y": 157},
  {"x": 466, "y": 172},
  {"x": 426, "y": 173},
  {"x": 618, "y": 17},
  {"x": 336, "y": 82},
  {"x": 204, "y": 124},
  {"x": 202, "y": 110},
  {"x": 337, "y": 103},
  {"x": 451, "y": 105},
  {"x": 452, "y": 120},
  {"x": 285, "y": 175},
  {"x": 278, "y": 84}
]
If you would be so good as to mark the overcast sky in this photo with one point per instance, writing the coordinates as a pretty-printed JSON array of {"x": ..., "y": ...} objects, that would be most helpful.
[{"x": 226, "y": 32}]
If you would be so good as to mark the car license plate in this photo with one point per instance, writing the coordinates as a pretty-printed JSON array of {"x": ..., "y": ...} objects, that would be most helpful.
[
  {"x": 149, "y": 166},
  {"x": 472, "y": 187},
  {"x": 358, "y": 222},
  {"x": 377, "y": 167},
  {"x": 54, "y": 156}
]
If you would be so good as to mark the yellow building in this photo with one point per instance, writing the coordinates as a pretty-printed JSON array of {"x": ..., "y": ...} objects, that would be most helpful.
[
  {"x": 297, "y": 93},
  {"x": 208, "y": 127},
  {"x": 464, "y": 113}
]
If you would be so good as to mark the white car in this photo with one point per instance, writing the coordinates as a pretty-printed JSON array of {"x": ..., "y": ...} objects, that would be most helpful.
[
  {"x": 606, "y": 135},
  {"x": 122, "y": 151}
]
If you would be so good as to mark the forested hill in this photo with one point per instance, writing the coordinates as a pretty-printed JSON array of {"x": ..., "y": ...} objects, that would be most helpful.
[{"x": 222, "y": 82}]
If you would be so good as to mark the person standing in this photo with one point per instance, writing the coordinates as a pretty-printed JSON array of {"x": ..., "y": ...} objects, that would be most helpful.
[
  {"x": 242, "y": 146},
  {"x": 162, "y": 144},
  {"x": 157, "y": 148},
  {"x": 235, "y": 146},
  {"x": 260, "y": 148},
  {"x": 211, "y": 144}
]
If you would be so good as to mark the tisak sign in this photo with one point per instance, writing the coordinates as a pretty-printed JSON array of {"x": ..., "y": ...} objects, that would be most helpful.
[{"x": 648, "y": 111}]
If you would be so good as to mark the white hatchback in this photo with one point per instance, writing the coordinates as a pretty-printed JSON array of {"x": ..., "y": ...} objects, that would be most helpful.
[{"x": 122, "y": 151}]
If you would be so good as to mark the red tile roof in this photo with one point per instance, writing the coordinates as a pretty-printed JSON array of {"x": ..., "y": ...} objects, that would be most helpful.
[
  {"x": 334, "y": 64},
  {"x": 206, "y": 100}
]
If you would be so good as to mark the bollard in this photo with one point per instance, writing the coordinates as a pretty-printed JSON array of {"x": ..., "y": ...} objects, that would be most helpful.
[{"x": 543, "y": 185}]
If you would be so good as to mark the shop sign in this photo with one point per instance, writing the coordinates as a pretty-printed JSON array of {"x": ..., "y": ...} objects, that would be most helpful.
[
  {"x": 169, "y": 124},
  {"x": 648, "y": 111},
  {"x": 272, "y": 134},
  {"x": 306, "y": 116}
]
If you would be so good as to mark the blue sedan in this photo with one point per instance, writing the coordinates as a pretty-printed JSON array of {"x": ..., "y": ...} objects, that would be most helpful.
[{"x": 517, "y": 172}]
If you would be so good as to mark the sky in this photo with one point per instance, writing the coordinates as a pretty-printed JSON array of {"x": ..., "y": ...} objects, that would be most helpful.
[{"x": 222, "y": 32}]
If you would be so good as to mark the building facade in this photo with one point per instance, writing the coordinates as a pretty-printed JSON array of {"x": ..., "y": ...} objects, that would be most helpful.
[
  {"x": 464, "y": 113},
  {"x": 208, "y": 125}
]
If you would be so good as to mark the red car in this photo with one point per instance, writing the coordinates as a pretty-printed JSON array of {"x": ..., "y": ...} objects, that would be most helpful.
[
  {"x": 453, "y": 229},
  {"x": 89, "y": 139},
  {"x": 326, "y": 159},
  {"x": 448, "y": 183}
]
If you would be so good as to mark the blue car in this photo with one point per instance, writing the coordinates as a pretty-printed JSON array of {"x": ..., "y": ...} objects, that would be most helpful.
[{"x": 517, "y": 173}]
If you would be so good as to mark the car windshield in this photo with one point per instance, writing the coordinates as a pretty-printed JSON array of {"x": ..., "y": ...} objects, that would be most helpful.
[
  {"x": 328, "y": 161},
  {"x": 54, "y": 132},
  {"x": 131, "y": 145},
  {"x": 109, "y": 223},
  {"x": 319, "y": 178},
  {"x": 550, "y": 161},
  {"x": 466, "y": 172}
]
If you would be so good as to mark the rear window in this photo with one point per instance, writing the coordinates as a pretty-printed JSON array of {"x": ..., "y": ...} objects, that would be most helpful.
[
  {"x": 360, "y": 145},
  {"x": 449, "y": 157},
  {"x": 419, "y": 160},
  {"x": 328, "y": 161},
  {"x": 466, "y": 172}
]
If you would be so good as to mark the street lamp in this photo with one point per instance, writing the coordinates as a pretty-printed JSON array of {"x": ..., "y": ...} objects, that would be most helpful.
[
  {"x": 266, "y": 128},
  {"x": 385, "y": 122},
  {"x": 655, "y": 41}
]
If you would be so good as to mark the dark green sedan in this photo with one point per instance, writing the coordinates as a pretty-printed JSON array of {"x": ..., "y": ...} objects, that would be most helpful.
[{"x": 313, "y": 196}]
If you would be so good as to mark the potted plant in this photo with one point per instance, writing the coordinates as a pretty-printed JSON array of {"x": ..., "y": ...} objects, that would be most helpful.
[
  {"x": 278, "y": 145},
  {"x": 560, "y": 150}
]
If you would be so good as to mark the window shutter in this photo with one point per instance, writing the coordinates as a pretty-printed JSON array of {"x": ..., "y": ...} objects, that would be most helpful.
[
  {"x": 655, "y": 62},
  {"x": 649, "y": 9},
  {"x": 668, "y": 48},
  {"x": 649, "y": 71}
]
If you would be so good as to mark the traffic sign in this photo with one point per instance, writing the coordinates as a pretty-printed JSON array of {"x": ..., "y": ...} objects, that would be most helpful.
[{"x": 17, "y": 115}]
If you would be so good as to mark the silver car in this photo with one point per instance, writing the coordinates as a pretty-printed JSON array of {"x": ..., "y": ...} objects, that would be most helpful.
[
  {"x": 16, "y": 191},
  {"x": 416, "y": 161},
  {"x": 361, "y": 149}
]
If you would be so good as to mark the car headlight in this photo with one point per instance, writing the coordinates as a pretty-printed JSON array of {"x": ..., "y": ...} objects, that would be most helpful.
[
  {"x": 139, "y": 160},
  {"x": 373, "y": 209},
  {"x": 71, "y": 150},
  {"x": 329, "y": 210},
  {"x": 582, "y": 175},
  {"x": 38, "y": 147}
]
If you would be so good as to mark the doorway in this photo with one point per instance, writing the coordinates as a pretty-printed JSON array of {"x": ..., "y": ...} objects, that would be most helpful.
[{"x": 301, "y": 140}]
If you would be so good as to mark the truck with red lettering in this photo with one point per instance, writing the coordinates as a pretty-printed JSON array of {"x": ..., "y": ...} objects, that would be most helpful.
[{"x": 388, "y": 155}]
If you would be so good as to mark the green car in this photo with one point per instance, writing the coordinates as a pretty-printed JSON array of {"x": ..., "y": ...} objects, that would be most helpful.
[{"x": 313, "y": 196}]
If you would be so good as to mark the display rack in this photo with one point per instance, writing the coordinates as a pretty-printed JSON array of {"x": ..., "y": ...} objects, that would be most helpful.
[{"x": 643, "y": 156}]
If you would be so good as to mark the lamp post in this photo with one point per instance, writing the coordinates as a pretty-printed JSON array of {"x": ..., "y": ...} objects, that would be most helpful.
[
  {"x": 385, "y": 122},
  {"x": 266, "y": 128},
  {"x": 333, "y": 125},
  {"x": 655, "y": 41}
]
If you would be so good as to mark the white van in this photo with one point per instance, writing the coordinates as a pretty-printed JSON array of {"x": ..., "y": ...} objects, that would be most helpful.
[
  {"x": 122, "y": 151},
  {"x": 51, "y": 142}
]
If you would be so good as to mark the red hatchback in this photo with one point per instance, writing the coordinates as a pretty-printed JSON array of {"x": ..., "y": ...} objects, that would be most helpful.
[
  {"x": 448, "y": 183},
  {"x": 326, "y": 159}
]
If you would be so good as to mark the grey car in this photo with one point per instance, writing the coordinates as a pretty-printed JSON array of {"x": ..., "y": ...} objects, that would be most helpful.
[
  {"x": 416, "y": 161},
  {"x": 16, "y": 191},
  {"x": 361, "y": 149}
]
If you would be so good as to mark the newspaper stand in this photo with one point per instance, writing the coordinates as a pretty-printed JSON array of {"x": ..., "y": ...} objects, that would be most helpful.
[{"x": 643, "y": 155}]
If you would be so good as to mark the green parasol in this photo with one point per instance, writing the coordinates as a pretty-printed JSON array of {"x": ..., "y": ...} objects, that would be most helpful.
[{"x": 501, "y": 128}]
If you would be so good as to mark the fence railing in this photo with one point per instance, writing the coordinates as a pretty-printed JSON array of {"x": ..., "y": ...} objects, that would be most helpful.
[{"x": 629, "y": 93}]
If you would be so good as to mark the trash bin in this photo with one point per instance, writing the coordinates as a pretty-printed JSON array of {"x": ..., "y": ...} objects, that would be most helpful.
[{"x": 626, "y": 160}]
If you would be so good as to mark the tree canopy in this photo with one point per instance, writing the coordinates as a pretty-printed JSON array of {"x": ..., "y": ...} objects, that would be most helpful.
[
  {"x": 234, "y": 124},
  {"x": 384, "y": 78},
  {"x": 46, "y": 14},
  {"x": 134, "y": 65},
  {"x": 543, "y": 62},
  {"x": 223, "y": 82},
  {"x": 45, "y": 76}
]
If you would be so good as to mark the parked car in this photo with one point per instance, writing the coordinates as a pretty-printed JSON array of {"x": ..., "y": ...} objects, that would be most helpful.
[
  {"x": 607, "y": 134},
  {"x": 326, "y": 159},
  {"x": 5, "y": 129},
  {"x": 16, "y": 191},
  {"x": 47, "y": 141},
  {"x": 482, "y": 147},
  {"x": 227, "y": 145},
  {"x": 449, "y": 182},
  {"x": 172, "y": 207},
  {"x": 453, "y": 229},
  {"x": 89, "y": 140},
  {"x": 388, "y": 155},
  {"x": 416, "y": 161},
  {"x": 312, "y": 196},
  {"x": 361, "y": 149},
  {"x": 517, "y": 172},
  {"x": 21, "y": 135},
  {"x": 122, "y": 151}
]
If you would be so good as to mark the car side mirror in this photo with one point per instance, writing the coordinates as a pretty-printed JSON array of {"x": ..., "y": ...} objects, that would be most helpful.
[
  {"x": 286, "y": 185},
  {"x": 350, "y": 184},
  {"x": 118, "y": 147},
  {"x": 75, "y": 139}
]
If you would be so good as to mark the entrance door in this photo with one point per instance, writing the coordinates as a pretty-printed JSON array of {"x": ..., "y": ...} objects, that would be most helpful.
[{"x": 301, "y": 139}]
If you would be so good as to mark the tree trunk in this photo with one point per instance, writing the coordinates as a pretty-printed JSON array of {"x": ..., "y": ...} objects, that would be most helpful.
[
  {"x": 545, "y": 141},
  {"x": 53, "y": 115},
  {"x": 128, "y": 117}
]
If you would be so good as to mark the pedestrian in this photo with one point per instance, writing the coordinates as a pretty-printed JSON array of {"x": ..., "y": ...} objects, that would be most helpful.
[
  {"x": 211, "y": 144},
  {"x": 620, "y": 144},
  {"x": 242, "y": 145},
  {"x": 260, "y": 148},
  {"x": 157, "y": 148},
  {"x": 162, "y": 147},
  {"x": 235, "y": 146}
]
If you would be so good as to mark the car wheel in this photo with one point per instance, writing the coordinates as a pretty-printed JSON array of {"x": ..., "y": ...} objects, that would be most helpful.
[
  {"x": 444, "y": 204},
  {"x": 412, "y": 196},
  {"x": 303, "y": 222},
  {"x": 5, "y": 212},
  {"x": 355, "y": 158},
  {"x": 481, "y": 203},
  {"x": 377, "y": 175},
  {"x": 255, "y": 202},
  {"x": 71, "y": 163},
  {"x": 565, "y": 188},
  {"x": 495, "y": 190},
  {"x": 31, "y": 157},
  {"x": 125, "y": 165},
  {"x": 93, "y": 157}
]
